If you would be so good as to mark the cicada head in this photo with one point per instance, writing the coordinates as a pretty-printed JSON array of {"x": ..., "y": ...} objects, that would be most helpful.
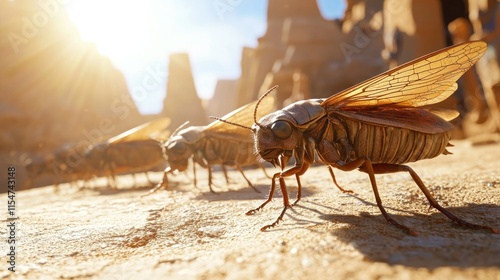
[
  {"x": 274, "y": 135},
  {"x": 179, "y": 148},
  {"x": 178, "y": 153}
]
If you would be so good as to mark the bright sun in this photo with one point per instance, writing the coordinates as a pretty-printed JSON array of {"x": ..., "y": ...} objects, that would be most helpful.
[{"x": 116, "y": 27}]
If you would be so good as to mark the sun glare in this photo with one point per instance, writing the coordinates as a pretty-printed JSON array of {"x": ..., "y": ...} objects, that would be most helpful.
[
  {"x": 139, "y": 35},
  {"x": 116, "y": 27}
]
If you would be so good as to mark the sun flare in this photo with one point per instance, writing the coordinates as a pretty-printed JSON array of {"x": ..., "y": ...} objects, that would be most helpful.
[{"x": 116, "y": 27}]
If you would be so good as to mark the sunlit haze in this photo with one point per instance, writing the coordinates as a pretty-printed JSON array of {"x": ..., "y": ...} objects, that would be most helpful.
[{"x": 138, "y": 37}]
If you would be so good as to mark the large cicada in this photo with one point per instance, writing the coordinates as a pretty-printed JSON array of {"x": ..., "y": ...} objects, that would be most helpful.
[{"x": 376, "y": 126}]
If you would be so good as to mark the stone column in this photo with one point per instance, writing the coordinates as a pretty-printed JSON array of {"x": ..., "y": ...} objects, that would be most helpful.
[{"x": 182, "y": 102}]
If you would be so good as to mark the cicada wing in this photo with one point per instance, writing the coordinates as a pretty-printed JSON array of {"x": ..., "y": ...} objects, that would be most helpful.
[
  {"x": 418, "y": 119},
  {"x": 242, "y": 116},
  {"x": 161, "y": 136},
  {"x": 142, "y": 132},
  {"x": 423, "y": 81},
  {"x": 445, "y": 114}
]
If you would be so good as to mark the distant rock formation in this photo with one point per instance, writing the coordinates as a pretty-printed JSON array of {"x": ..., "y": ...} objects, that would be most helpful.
[
  {"x": 485, "y": 118},
  {"x": 361, "y": 47},
  {"x": 412, "y": 28},
  {"x": 328, "y": 54},
  {"x": 182, "y": 102},
  {"x": 224, "y": 98},
  {"x": 55, "y": 88}
]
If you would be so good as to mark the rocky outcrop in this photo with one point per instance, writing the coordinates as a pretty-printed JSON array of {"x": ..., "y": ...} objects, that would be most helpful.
[
  {"x": 224, "y": 99},
  {"x": 299, "y": 40},
  {"x": 182, "y": 102},
  {"x": 55, "y": 88}
]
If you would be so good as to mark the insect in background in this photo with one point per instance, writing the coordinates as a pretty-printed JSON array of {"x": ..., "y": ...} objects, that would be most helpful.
[
  {"x": 375, "y": 126},
  {"x": 215, "y": 144},
  {"x": 132, "y": 151},
  {"x": 56, "y": 165},
  {"x": 136, "y": 150}
]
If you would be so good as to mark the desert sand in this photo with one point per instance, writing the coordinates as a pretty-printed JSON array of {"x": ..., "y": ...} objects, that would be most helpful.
[{"x": 190, "y": 233}]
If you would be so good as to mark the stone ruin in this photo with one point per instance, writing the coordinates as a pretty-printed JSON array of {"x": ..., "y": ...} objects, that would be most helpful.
[
  {"x": 182, "y": 102},
  {"x": 484, "y": 115},
  {"x": 224, "y": 90},
  {"x": 328, "y": 54}
]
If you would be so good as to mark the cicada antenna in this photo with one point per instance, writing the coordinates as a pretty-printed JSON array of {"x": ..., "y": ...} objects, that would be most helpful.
[
  {"x": 258, "y": 102},
  {"x": 231, "y": 123},
  {"x": 180, "y": 127}
]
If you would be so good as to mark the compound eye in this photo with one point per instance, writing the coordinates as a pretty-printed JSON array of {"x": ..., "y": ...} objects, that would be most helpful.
[
  {"x": 177, "y": 147},
  {"x": 281, "y": 129}
]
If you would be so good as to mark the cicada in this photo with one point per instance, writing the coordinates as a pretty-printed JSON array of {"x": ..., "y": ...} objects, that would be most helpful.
[
  {"x": 133, "y": 151},
  {"x": 218, "y": 143},
  {"x": 136, "y": 150},
  {"x": 376, "y": 126},
  {"x": 58, "y": 165}
]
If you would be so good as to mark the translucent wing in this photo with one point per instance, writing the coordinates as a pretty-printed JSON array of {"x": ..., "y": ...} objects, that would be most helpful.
[
  {"x": 423, "y": 81},
  {"x": 445, "y": 114},
  {"x": 142, "y": 132},
  {"x": 242, "y": 116}
]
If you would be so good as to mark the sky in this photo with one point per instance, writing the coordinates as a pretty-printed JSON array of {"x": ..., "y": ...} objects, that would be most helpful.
[{"x": 138, "y": 37}]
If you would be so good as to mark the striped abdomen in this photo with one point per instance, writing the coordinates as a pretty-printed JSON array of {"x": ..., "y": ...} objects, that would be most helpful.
[
  {"x": 395, "y": 145},
  {"x": 227, "y": 151}
]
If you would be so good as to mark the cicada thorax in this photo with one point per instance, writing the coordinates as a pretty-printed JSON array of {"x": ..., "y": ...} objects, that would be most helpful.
[{"x": 354, "y": 139}]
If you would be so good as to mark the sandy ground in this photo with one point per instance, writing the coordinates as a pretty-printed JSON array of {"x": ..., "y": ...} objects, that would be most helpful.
[{"x": 188, "y": 233}]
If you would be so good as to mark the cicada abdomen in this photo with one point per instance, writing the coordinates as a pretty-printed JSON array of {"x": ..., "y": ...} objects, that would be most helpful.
[{"x": 381, "y": 144}]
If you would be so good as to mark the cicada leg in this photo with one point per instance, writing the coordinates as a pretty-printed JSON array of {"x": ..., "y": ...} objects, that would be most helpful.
[
  {"x": 299, "y": 190},
  {"x": 286, "y": 204},
  {"x": 210, "y": 183},
  {"x": 264, "y": 170},
  {"x": 300, "y": 167},
  {"x": 365, "y": 165},
  {"x": 269, "y": 197},
  {"x": 392, "y": 168},
  {"x": 162, "y": 184},
  {"x": 238, "y": 166},
  {"x": 335, "y": 181},
  {"x": 224, "y": 170}
]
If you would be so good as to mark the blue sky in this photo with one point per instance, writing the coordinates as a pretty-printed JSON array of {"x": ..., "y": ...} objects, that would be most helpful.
[{"x": 138, "y": 37}]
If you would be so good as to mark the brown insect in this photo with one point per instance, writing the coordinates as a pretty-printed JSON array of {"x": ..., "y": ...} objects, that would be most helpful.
[
  {"x": 215, "y": 144},
  {"x": 133, "y": 151},
  {"x": 375, "y": 126},
  {"x": 57, "y": 165}
]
